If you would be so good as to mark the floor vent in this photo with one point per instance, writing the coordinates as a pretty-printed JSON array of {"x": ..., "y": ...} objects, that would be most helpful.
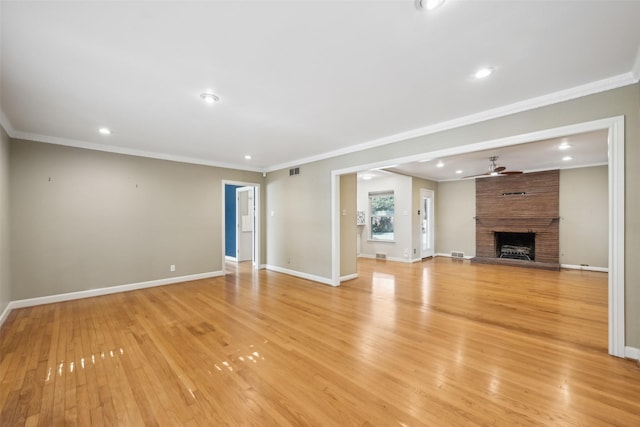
[
  {"x": 381, "y": 255},
  {"x": 455, "y": 254}
]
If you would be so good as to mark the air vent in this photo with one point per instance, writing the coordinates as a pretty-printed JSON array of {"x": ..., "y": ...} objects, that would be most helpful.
[
  {"x": 455, "y": 254},
  {"x": 381, "y": 255},
  {"x": 294, "y": 171}
]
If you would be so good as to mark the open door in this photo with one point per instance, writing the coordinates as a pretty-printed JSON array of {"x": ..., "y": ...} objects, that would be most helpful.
[
  {"x": 245, "y": 224},
  {"x": 427, "y": 239}
]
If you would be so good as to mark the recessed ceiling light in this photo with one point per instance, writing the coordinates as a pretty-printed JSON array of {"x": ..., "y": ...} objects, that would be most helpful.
[
  {"x": 209, "y": 98},
  {"x": 429, "y": 4},
  {"x": 367, "y": 177},
  {"x": 439, "y": 164},
  {"x": 247, "y": 157},
  {"x": 567, "y": 158},
  {"x": 105, "y": 131},
  {"x": 564, "y": 146},
  {"x": 459, "y": 171},
  {"x": 483, "y": 72}
]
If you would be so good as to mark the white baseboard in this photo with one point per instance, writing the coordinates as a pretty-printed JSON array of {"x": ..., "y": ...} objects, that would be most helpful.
[
  {"x": 30, "y": 302},
  {"x": 394, "y": 259},
  {"x": 5, "y": 313},
  {"x": 632, "y": 353},
  {"x": 295, "y": 273},
  {"x": 449, "y": 255},
  {"x": 348, "y": 277},
  {"x": 230, "y": 258},
  {"x": 583, "y": 267}
]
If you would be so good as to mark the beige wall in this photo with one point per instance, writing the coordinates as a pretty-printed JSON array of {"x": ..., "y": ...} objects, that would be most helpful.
[
  {"x": 623, "y": 101},
  {"x": 85, "y": 219},
  {"x": 298, "y": 231},
  {"x": 5, "y": 263},
  {"x": 348, "y": 227},
  {"x": 456, "y": 209},
  {"x": 584, "y": 217}
]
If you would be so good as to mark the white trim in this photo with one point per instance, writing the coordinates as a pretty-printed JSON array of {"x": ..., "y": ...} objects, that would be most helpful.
[
  {"x": 127, "y": 151},
  {"x": 335, "y": 228},
  {"x": 635, "y": 71},
  {"x": 394, "y": 259},
  {"x": 230, "y": 258},
  {"x": 5, "y": 313},
  {"x": 585, "y": 268},
  {"x": 348, "y": 277},
  {"x": 89, "y": 293},
  {"x": 616, "y": 237},
  {"x": 632, "y": 353},
  {"x": 615, "y": 127},
  {"x": 494, "y": 113},
  {"x": 610, "y": 83},
  {"x": 6, "y": 124},
  {"x": 312, "y": 277},
  {"x": 449, "y": 255}
]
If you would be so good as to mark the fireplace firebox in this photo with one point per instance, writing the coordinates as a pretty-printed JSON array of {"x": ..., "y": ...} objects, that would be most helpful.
[{"x": 515, "y": 245}]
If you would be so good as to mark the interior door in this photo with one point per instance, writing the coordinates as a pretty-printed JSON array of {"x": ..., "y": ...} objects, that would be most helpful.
[
  {"x": 426, "y": 223},
  {"x": 245, "y": 223}
]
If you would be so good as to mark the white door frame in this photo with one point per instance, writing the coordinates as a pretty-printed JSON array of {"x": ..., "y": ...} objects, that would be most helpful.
[
  {"x": 256, "y": 231},
  {"x": 616, "y": 141},
  {"x": 427, "y": 194}
]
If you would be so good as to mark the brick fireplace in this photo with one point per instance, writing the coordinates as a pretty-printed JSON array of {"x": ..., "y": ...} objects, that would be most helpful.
[{"x": 517, "y": 220}]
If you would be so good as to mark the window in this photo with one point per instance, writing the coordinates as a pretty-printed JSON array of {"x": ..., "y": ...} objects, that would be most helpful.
[{"x": 382, "y": 206}]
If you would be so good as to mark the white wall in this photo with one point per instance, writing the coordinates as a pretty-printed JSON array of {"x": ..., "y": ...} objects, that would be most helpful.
[{"x": 401, "y": 248}]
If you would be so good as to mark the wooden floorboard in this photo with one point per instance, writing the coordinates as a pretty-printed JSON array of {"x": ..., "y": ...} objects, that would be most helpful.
[{"x": 440, "y": 342}]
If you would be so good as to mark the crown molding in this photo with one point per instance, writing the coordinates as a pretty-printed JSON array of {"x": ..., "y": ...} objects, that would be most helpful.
[
  {"x": 603, "y": 85},
  {"x": 635, "y": 71},
  {"x": 6, "y": 124},
  {"x": 127, "y": 151},
  {"x": 494, "y": 113}
]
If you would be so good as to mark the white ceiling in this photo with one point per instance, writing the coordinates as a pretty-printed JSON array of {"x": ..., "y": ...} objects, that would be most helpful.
[
  {"x": 297, "y": 80},
  {"x": 586, "y": 149}
]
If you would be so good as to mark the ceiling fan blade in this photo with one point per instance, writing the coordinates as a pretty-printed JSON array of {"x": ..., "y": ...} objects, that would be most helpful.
[
  {"x": 474, "y": 176},
  {"x": 499, "y": 169},
  {"x": 510, "y": 173}
]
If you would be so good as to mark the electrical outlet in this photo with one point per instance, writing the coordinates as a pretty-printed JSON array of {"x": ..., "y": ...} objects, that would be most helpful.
[{"x": 172, "y": 267}]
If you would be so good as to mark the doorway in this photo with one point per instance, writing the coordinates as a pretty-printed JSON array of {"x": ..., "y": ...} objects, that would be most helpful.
[
  {"x": 426, "y": 223},
  {"x": 616, "y": 141},
  {"x": 241, "y": 222},
  {"x": 244, "y": 226}
]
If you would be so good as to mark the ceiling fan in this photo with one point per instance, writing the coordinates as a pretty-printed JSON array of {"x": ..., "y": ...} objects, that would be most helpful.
[{"x": 495, "y": 170}]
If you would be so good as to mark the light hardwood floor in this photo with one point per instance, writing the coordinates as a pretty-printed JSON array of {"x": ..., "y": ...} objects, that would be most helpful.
[{"x": 437, "y": 343}]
